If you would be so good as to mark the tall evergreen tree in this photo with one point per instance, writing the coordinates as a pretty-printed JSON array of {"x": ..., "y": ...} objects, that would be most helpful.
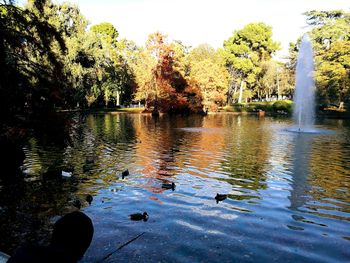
[{"x": 245, "y": 51}]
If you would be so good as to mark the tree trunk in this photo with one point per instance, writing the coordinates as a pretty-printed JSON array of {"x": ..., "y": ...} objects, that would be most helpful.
[
  {"x": 279, "y": 97},
  {"x": 234, "y": 94},
  {"x": 230, "y": 94},
  {"x": 118, "y": 99},
  {"x": 241, "y": 92}
]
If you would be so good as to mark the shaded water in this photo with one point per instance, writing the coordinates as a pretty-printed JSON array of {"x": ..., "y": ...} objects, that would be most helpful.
[{"x": 288, "y": 193}]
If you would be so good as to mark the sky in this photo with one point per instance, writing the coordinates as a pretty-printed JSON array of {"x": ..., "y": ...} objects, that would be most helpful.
[{"x": 204, "y": 21}]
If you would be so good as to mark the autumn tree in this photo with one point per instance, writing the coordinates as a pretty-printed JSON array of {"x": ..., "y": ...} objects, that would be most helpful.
[
  {"x": 160, "y": 85},
  {"x": 210, "y": 75},
  {"x": 162, "y": 52}
]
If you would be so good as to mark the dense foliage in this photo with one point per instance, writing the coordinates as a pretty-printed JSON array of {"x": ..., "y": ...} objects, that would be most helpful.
[
  {"x": 31, "y": 49},
  {"x": 51, "y": 59},
  {"x": 330, "y": 34},
  {"x": 246, "y": 52}
]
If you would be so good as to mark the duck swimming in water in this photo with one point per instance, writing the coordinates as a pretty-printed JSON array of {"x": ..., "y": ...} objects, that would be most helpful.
[
  {"x": 125, "y": 173},
  {"x": 89, "y": 199},
  {"x": 139, "y": 216},
  {"x": 169, "y": 186},
  {"x": 66, "y": 174},
  {"x": 220, "y": 197}
]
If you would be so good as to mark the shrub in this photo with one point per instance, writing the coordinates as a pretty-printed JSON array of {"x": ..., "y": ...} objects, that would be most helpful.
[{"x": 282, "y": 106}]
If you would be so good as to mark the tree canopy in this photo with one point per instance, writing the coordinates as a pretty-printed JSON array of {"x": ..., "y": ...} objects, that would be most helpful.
[
  {"x": 330, "y": 34},
  {"x": 52, "y": 58},
  {"x": 246, "y": 50}
]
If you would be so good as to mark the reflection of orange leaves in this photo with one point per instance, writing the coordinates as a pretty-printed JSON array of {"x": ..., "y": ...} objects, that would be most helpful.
[
  {"x": 149, "y": 186},
  {"x": 148, "y": 170},
  {"x": 164, "y": 173},
  {"x": 153, "y": 198}
]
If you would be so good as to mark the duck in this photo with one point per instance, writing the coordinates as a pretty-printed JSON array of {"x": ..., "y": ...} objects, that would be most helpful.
[
  {"x": 220, "y": 197},
  {"x": 89, "y": 199},
  {"x": 139, "y": 216},
  {"x": 169, "y": 186},
  {"x": 66, "y": 174},
  {"x": 125, "y": 173}
]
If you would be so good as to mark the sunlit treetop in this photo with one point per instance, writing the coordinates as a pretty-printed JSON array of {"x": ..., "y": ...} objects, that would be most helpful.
[
  {"x": 319, "y": 18},
  {"x": 107, "y": 32}
]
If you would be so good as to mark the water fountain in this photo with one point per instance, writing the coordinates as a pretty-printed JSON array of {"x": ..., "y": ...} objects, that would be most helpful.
[{"x": 304, "y": 94}]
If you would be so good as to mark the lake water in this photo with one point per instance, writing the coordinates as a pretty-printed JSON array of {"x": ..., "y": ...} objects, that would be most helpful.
[{"x": 288, "y": 193}]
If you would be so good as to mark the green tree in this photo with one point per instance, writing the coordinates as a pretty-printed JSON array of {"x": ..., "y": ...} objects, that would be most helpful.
[
  {"x": 328, "y": 27},
  {"x": 95, "y": 61},
  {"x": 103, "y": 42},
  {"x": 333, "y": 73},
  {"x": 79, "y": 61},
  {"x": 274, "y": 79},
  {"x": 107, "y": 33},
  {"x": 112, "y": 78},
  {"x": 181, "y": 63},
  {"x": 142, "y": 66},
  {"x": 330, "y": 34},
  {"x": 33, "y": 78},
  {"x": 210, "y": 75},
  {"x": 245, "y": 51},
  {"x": 202, "y": 52}
]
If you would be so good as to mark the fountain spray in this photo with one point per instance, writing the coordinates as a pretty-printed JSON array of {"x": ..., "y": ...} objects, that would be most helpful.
[{"x": 304, "y": 94}]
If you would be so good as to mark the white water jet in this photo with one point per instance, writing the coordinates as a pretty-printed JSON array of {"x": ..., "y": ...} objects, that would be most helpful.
[{"x": 304, "y": 94}]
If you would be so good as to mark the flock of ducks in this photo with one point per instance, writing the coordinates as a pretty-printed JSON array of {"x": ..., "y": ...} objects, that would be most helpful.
[
  {"x": 137, "y": 216},
  {"x": 144, "y": 216}
]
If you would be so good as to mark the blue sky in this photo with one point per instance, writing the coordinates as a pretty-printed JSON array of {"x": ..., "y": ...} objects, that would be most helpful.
[{"x": 204, "y": 21}]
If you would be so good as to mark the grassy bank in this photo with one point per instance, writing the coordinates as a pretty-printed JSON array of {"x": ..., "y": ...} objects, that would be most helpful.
[
  {"x": 335, "y": 112},
  {"x": 283, "y": 107},
  {"x": 93, "y": 110}
]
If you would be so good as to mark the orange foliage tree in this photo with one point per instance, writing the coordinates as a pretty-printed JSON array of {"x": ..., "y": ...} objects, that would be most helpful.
[{"x": 160, "y": 84}]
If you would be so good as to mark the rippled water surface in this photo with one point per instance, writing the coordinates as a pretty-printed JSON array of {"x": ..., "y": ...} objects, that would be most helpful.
[{"x": 288, "y": 193}]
